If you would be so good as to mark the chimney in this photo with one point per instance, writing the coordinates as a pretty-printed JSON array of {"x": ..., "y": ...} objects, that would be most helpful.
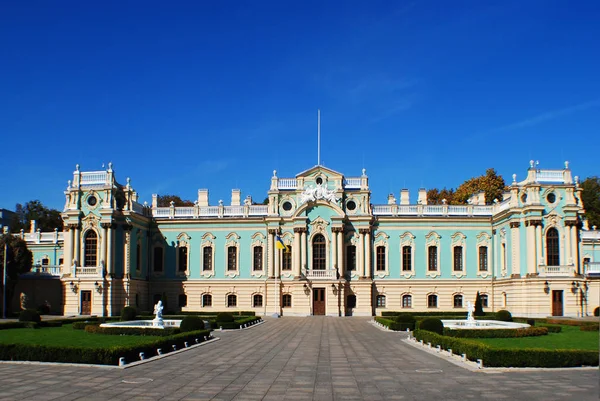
[
  {"x": 154, "y": 201},
  {"x": 32, "y": 226},
  {"x": 203, "y": 197},
  {"x": 422, "y": 196},
  {"x": 236, "y": 197},
  {"x": 391, "y": 199},
  {"x": 404, "y": 197}
]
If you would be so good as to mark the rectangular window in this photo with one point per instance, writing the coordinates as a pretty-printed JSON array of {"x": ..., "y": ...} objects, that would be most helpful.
[
  {"x": 138, "y": 257},
  {"x": 183, "y": 258},
  {"x": 381, "y": 258},
  {"x": 483, "y": 258},
  {"x": 432, "y": 258},
  {"x": 232, "y": 258},
  {"x": 158, "y": 259},
  {"x": 207, "y": 254},
  {"x": 60, "y": 261},
  {"x": 484, "y": 300},
  {"x": 406, "y": 258},
  {"x": 257, "y": 263},
  {"x": 503, "y": 256},
  {"x": 458, "y": 258},
  {"x": 45, "y": 262},
  {"x": 351, "y": 258},
  {"x": 286, "y": 263}
]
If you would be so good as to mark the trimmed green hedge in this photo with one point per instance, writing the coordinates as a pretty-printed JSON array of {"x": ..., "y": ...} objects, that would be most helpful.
[
  {"x": 552, "y": 328},
  {"x": 236, "y": 324},
  {"x": 497, "y": 333},
  {"x": 131, "y": 331},
  {"x": 589, "y": 327},
  {"x": 104, "y": 356},
  {"x": 506, "y": 357},
  {"x": 446, "y": 315}
]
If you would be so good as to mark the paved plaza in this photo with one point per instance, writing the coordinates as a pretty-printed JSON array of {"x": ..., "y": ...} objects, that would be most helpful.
[{"x": 311, "y": 358}]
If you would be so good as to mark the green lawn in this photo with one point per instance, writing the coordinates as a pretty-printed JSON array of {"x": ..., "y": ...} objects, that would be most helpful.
[
  {"x": 65, "y": 335},
  {"x": 569, "y": 338}
]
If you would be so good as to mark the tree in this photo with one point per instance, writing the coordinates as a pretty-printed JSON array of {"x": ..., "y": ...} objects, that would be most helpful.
[
  {"x": 436, "y": 197},
  {"x": 46, "y": 219},
  {"x": 590, "y": 196},
  {"x": 165, "y": 201},
  {"x": 478, "y": 306},
  {"x": 19, "y": 260},
  {"x": 491, "y": 184}
]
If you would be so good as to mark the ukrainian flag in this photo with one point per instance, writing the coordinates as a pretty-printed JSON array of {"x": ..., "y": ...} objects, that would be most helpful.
[{"x": 279, "y": 243}]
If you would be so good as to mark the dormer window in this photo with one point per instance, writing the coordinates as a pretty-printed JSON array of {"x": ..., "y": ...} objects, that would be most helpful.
[{"x": 319, "y": 180}]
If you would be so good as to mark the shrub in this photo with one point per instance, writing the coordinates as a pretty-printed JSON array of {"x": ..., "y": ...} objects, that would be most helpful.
[
  {"x": 224, "y": 317},
  {"x": 432, "y": 324},
  {"x": 597, "y": 311},
  {"x": 191, "y": 323},
  {"x": 552, "y": 328},
  {"x": 504, "y": 316},
  {"x": 131, "y": 331},
  {"x": 531, "y": 322},
  {"x": 128, "y": 313},
  {"x": 81, "y": 325},
  {"x": 589, "y": 327},
  {"x": 497, "y": 333},
  {"x": 44, "y": 309},
  {"x": 404, "y": 321},
  {"x": 30, "y": 315}
]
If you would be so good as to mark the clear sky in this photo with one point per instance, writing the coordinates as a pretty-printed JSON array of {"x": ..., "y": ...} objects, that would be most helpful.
[{"x": 217, "y": 94}]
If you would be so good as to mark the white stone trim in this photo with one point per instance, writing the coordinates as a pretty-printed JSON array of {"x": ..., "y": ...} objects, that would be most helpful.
[
  {"x": 258, "y": 240},
  {"x": 381, "y": 239},
  {"x": 407, "y": 239},
  {"x": 433, "y": 239},
  {"x": 207, "y": 241},
  {"x": 232, "y": 239}
]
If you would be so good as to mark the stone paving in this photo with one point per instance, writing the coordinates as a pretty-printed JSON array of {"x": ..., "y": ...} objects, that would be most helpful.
[{"x": 311, "y": 358}]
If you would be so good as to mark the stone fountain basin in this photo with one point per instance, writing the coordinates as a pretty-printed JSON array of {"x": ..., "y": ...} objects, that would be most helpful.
[
  {"x": 148, "y": 324},
  {"x": 482, "y": 325}
]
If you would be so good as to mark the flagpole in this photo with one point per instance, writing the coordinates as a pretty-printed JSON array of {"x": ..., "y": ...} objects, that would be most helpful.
[{"x": 318, "y": 137}]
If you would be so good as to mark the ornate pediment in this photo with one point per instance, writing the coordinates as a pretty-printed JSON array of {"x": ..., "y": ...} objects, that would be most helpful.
[{"x": 317, "y": 192}]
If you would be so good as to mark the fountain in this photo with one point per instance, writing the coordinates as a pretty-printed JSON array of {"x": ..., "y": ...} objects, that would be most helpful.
[
  {"x": 472, "y": 324},
  {"x": 157, "y": 323}
]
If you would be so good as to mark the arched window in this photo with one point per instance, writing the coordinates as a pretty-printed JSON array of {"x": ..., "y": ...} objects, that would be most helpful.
[
  {"x": 257, "y": 300},
  {"x": 458, "y": 258},
  {"x": 381, "y": 301},
  {"x": 286, "y": 301},
  {"x": 206, "y": 300},
  {"x": 552, "y": 255},
  {"x": 319, "y": 256},
  {"x": 432, "y": 301},
  {"x": 90, "y": 249},
  {"x": 484, "y": 300},
  {"x": 380, "y": 258},
  {"x": 231, "y": 301},
  {"x": 458, "y": 301},
  {"x": 407, "y": 301},
  {"x": 432, "y": 258},
  {"x": 406, "y": 258}
]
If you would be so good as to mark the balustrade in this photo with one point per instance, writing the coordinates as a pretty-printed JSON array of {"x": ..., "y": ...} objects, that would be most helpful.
[
  {"x": 550, "y": 176},
  {"x": 556, "y": 271},
  {"x": 322, "y": 274},
  {"x": 352, "y": 182},
  {"x": 94, "y": 178},
  {"x": 286, "y": 183}
]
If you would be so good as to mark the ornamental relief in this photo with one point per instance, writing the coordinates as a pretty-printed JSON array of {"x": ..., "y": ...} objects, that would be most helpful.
[{"x": 317, "y": 192}]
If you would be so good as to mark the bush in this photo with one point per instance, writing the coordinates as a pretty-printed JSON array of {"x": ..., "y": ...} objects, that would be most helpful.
[
  {"x": 128, "y": 313},
  {"x": 44, "y": 309},
  {"x": 131, "y": 331},
  {"x": 81, "y": 325},
  {"x": 589, "y": 327},
  {"x": 552, "y": 328},
  {"x": 191, "y": 323},
  {"x": 597, "y": 311},
  {"x": 404, "y": 321},
  {"x": 432, "y": 324},
  {"x": 504, "y": 316},
  {"x": 497, "y": 333},
  {"x": 30, "y": 315},
  {"x": 224, "y": 317}
]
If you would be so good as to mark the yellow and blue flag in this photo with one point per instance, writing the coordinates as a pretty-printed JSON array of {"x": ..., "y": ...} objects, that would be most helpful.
[{"x": 279, "y": 243}]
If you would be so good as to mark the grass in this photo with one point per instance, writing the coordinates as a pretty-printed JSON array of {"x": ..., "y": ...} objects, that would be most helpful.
[
  {"x": 66, "y": 336},
  {"x": 569, "y": 338}
]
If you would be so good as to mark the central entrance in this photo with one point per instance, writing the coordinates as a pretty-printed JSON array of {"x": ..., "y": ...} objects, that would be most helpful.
[
  {"x": 86, "y": 302},
  {"x": 318, "y": 301},
  {"x": 557, "y": 303}
]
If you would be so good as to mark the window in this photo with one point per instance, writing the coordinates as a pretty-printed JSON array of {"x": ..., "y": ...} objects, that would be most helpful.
[
  {"x": 231, "y": 258},
  {"x": 351, "y": 258},
  {"x": 381, "y": 301},
  {"x": 231, "y": 301},
  {"x": 458, "y": 301},
  {"x": 503, "y": 256},
  {"x": 158, "y": 259},
  {"x": 286, "y": 301},
  {"x": 380, "y": 258},
  {"x": 458, "y": 258},
  {"x": 45, "y": 262},
  {"x": 60, "y": 261},
  {"x": 90, "y": 249},
  {"x": 483, "y": 258},
  {"x": 257, "y": 300},
  {"x": 552, "y": 255},
  {"x": 406, "y": 258},
  {"x": 183, "y": 258},
  {"x": 286, "y": 263},
  {"x": 432, "y": 258},
  {"x": 407, "y": 301},
  {"x": 287, "y": 206},
  {"x": 138, "y": 256},
  {"x": 319, "y": 256},
  {"x": 257, "y": 261},
  {"x": 351, "y": 205},
  {"x": 206, "y": 300},
  {"x": 432, "y": 301},
  {"x": 207, "y": 255},
  {"x": 484, "y": 300},
  {"x": 182, "y": 300},
  {"x": 137, "y": 300},
  {"x": 551, "y": 198}
]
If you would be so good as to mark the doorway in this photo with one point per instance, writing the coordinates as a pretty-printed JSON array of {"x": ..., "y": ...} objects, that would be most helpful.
[
  {"x": 318, "y": 301},
  {"x": 86, "y": 302},
  {"x": 350, "y": 304},
  {"x": 557, "y": 303}
]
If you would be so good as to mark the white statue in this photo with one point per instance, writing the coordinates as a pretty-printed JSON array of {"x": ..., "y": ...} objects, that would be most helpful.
[
  {"x": 158, "y": 308},
  {"x": 317, "y": 192},
  {"x": 470, "y": 310}
]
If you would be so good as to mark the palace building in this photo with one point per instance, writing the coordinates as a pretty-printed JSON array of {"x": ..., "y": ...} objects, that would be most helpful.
[{"x": 530, "y": 252}]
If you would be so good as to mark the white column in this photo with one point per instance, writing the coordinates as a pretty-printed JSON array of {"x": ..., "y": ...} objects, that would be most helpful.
[
  {"x": 538, "y": 241},
  {"x": 68, "y": 249},
  {"x": 276, "y": 267},
  {"x": 296, "y": 253},
  {"x": 361, "y": 254},
  {"x": 574, "y": 244},
  {"x": 368, "y": 254},
  {"x": 303, "y": 249},
  {"x": 516, "y": 248},
  {"x": 340, "y": 246},
  {"x": 531, "y": 249},
  {"x": 76, "y": 243},
  {"x": 271, "y": 245},
  {"x": 108, "y": 262},
  {"x": 567, "y": 255},
  {"x": 333, "y": 247},
  {"x": 103, "y": 244}
]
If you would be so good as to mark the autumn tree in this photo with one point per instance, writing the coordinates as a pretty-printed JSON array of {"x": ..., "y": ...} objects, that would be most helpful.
[
  {"x": 436, "y": 196},
  {"x": 491, "y": 184},
  {"x": 19, "y": 260},
  {"x": 47, "y": 219},
  {"x": 165, "y": 201},
  {"x": 590, "y": 196}
]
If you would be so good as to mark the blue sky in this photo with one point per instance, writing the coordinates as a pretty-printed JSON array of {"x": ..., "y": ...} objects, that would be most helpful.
[{"x": 217, "y": 95}]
